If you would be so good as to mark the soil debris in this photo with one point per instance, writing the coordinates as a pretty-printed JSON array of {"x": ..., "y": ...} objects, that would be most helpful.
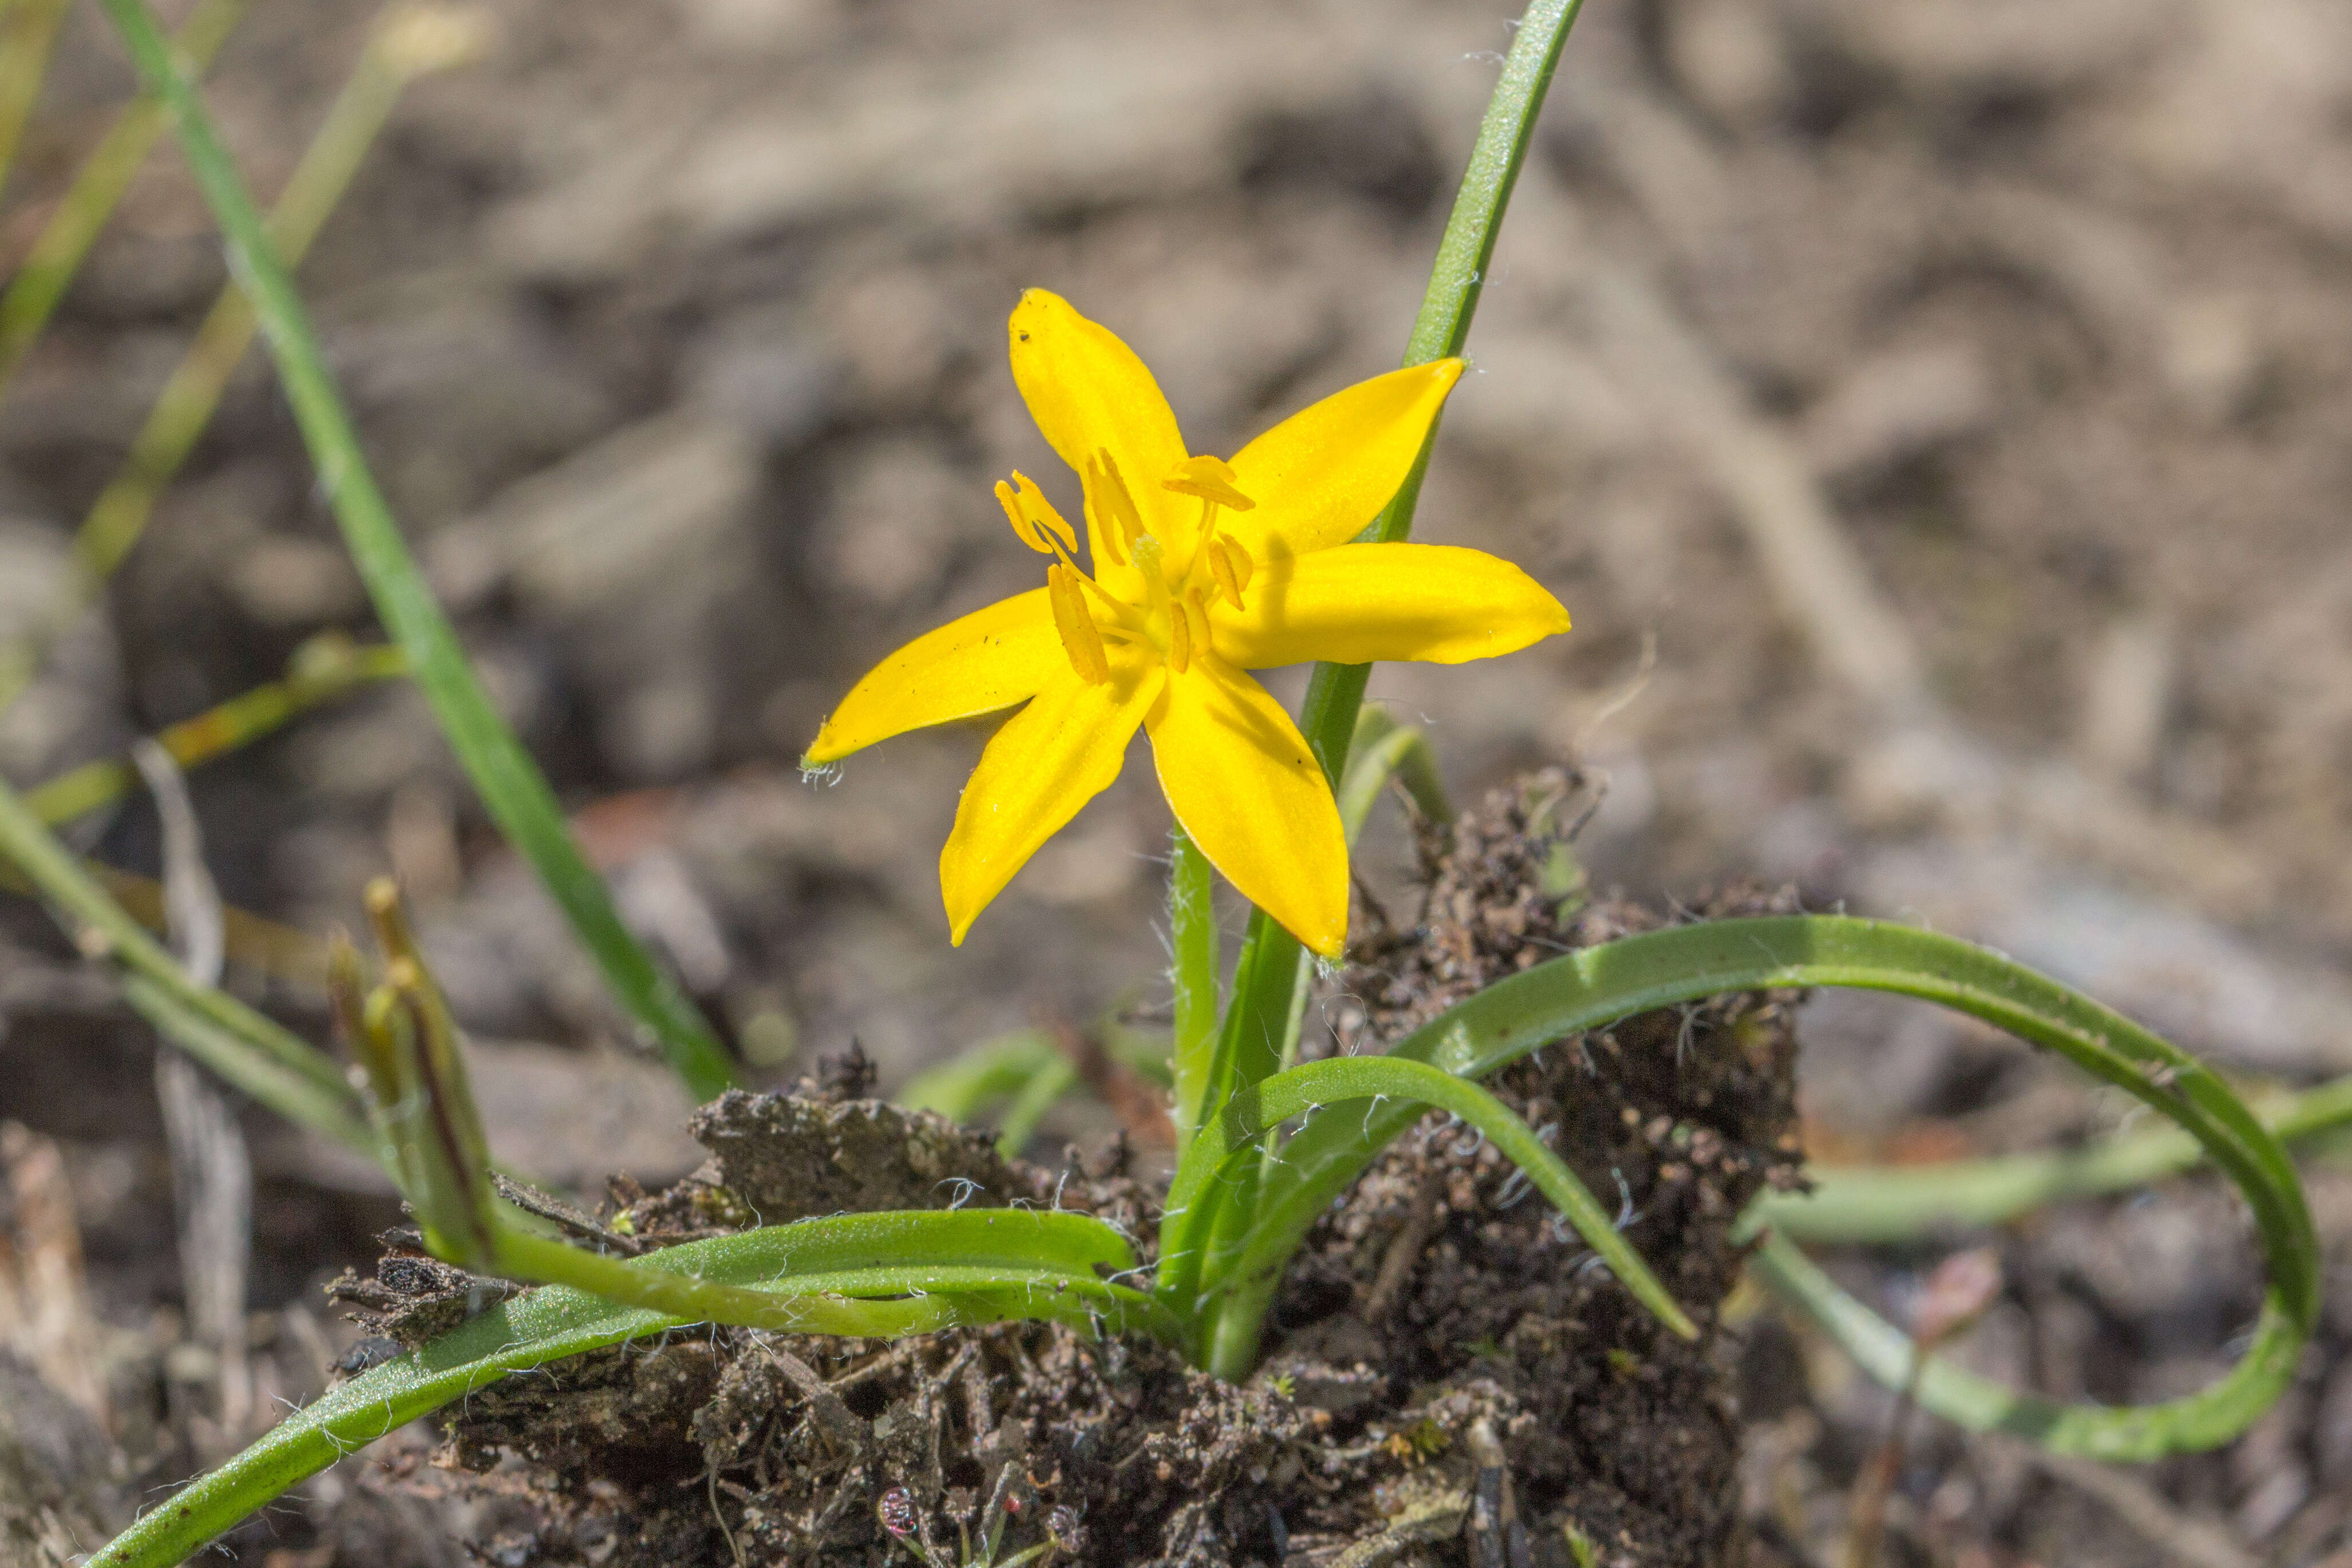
[{"x": 1450, "y": 1378}]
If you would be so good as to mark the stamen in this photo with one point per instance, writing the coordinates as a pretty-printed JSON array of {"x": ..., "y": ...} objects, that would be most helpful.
[
  {"x": 1080, "y": 639},
  {"x": 1195, "y": 619},
  {"x": 1180, "y": 641},
  {"x": 1034, "y": 521},
  {"x": 1212, "y": 479},
  {"x": 1116, "y": 505},
  {"x": 1231, "y": 565}
]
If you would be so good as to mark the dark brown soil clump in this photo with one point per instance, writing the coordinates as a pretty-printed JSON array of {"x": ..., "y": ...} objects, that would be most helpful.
[{"x": 1450, "y": 1378}]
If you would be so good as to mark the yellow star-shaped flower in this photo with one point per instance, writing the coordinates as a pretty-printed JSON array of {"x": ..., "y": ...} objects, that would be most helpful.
[{"x": 1202, "y": 569}]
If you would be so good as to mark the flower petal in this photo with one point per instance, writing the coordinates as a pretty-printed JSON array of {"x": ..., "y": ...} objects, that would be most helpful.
[
  {"x": 1049, "y": 759},
  {"x": 1438, "y": 603},
  {"x": 1239, "y": 777},
  {"x": 1089, "y": 394},
  {"x": 990, "y": 659},
  {"x": 1320, "y": 476}
]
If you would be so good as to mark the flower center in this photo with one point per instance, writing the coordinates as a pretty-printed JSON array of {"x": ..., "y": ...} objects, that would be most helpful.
[{"x": 1174, "y": 618}]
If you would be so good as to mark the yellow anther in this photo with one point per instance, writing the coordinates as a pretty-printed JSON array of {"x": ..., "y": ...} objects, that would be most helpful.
[
  {"x": 1209, "y": 478},
  {"x": 1180, "y": 641},
  {"x": 1109, "y": 508},
  {"x": 1195, "y": 619},
  {"x": 1034, "y": 521},
  {"x": 1231, "y": 565},
  {"x": 1080, "y": 639}
]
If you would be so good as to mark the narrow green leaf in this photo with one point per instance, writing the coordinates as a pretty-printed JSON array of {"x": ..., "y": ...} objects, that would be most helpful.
[
  {"x": 1899, "y": 1203},
  {"x": 102, "y": 929},
  {"x": 49, "y": 267},
  {"x": 28, "y": 30},
  {"x": 1029, "y": 1253},
  {"x": 1594, "y": 988},
  {"x": 510, "y": 783}
]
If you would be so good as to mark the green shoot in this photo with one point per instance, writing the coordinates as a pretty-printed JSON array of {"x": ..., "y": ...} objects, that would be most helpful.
[
  {"x": 57, "y": 255},
  {"x": 28, "y": 30},
  {"x": 323, "y": 668},
  {"x": 258, "y": 1056},
  {"x": 512, "y": 785},
  {"x": 407, "y": 45}
]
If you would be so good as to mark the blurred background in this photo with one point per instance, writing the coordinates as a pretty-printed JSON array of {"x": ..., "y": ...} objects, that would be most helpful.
[{"x": 1938, "y": 418}]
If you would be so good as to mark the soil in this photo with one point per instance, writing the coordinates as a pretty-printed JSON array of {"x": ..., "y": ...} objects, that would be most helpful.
[{"x": 1450, "y": 1378}]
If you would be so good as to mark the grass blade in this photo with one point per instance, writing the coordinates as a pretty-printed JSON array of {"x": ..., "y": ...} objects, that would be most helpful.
[
  {"x": 101, "y": 929},
  {"x": 511, "y": 786},
  {"x": 1898, "y": 1203},
  {"x": 57, "y": 255},
  {"x": 28, "y": 28},
  {"x": 407, "y": 43},
  {"x": 322, "y": 669}
]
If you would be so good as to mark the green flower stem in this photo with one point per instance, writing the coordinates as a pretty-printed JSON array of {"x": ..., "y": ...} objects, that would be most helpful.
[
  {"x": 411, "y": 44},
  {"x": 27, "y": 30},
  {"x": 57, "y": 255},
  {"x": 1899, "y": 1203},
  {"x": 321, "y": 670},
  {"x": 1192, "y": 940},
  {"x": 1025, "y": 1249},
  {"x": 1260, "y": 1015},
  {"x": 100, "y": 927},
  {"x": 512, "y": 785},
  {"x": 1590, "y": 989}
]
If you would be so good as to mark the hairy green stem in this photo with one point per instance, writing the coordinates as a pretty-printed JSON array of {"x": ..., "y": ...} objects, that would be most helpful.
[
  {"x": 1193, "y": 942},
  {"x": 510, "y": 783},
  {"x": 1337, "y": 1088}
]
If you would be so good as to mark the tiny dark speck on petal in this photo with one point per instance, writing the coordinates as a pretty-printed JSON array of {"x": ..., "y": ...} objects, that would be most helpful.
[{"x": 1024, "y": 337}]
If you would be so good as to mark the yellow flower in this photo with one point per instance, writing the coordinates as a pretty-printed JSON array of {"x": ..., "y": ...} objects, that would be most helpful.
[{"x": 1202, "y": 569}]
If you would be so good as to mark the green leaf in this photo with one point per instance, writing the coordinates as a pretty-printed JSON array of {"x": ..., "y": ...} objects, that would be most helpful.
[
  {"x": 510, "y": 783},
  {"x": 1588, "y": 990},
  {"x": 1007, "y": 1264}
]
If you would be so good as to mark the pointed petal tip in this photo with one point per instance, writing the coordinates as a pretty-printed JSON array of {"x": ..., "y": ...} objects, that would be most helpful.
[{"x": 1330, "y": 946}]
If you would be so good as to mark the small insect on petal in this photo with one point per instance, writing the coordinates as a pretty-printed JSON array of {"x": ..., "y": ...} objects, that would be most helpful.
[
  {"x": 1210, "y": 478},
  {"x": 1080, "y": 639}
]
